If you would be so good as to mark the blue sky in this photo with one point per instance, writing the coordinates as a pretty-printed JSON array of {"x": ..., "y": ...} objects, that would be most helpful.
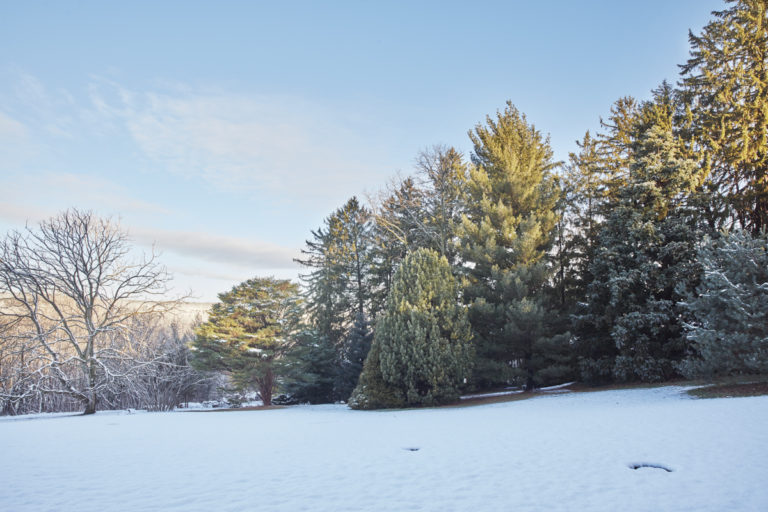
[{"x": 223, "y": 132}]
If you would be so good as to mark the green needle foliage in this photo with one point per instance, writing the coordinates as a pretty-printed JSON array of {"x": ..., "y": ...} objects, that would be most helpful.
[
  {"x": 729, "y": 326},
  {"x": 726, "y": 84},
  {"x": 421, "y": 353},
  {"x": 247, "y": 333},
  {"x": 504, "y": 240}
]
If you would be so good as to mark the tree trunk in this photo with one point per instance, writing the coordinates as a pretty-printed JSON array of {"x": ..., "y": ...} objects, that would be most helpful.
[
  {"x": 265, "y": 388},
  {"x": 529, "y": 383},
  {"x": 90, "y": 405}
]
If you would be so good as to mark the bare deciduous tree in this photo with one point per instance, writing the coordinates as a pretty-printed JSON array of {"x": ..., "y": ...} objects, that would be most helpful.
[{"x": 71, "y": 288}]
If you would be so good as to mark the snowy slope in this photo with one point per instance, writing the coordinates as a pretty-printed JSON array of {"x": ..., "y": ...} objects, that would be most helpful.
[{"x": 568, "y": 452}]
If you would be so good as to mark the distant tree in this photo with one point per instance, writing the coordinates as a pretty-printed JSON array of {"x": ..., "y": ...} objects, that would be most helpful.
[
  {"x": 728, "y": 330},
  {"x": 421, "y": 352},
  {"x": 726, "y": 87},
  {"x": 505, "y": 237},
  {"x": 72, "y": 291},
  {"x": 248, "y": 332},
  {"x": 444, "y": 175},
  {"x": 399, "y": 226}
]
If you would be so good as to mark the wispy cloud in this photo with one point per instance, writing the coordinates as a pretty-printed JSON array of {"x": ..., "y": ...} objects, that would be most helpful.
[
  {"x": 220, "y": 249},
  {"x": 236, "y": 141},
  {"x": 36, "y": 197},
  {"x": 11, "y": 128}
]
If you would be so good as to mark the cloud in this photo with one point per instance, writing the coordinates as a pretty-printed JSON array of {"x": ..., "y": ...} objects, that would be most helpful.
[
  {"x": 220, "y": 249},
  {"x": 36, "y": 197},
  {"x": 10, "y": 128},
  {"x": 244, "y": 142}
]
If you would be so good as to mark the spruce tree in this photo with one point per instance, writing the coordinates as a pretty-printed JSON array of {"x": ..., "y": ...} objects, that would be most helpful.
[
  {"x": 310, "y": 369},
  {"x": 421, "y": 354},
  {"x": 340, "y": 283},
  {"x": 504, "y": 239},
  {"x": 352, "y": 356},
  {"x": 728, "y": 329},
  {"x": 630, "y": 325}
]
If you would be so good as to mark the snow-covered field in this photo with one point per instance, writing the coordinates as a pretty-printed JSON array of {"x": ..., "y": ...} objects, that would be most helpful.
[{"x": 557, "y": 452}]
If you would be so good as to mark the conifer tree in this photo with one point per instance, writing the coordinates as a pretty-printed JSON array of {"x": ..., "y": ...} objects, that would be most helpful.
[
  {"x": 630, "y": 325},
  {"x": 421, "y": 352},
  {"x": 726, "y": 84},
  {"x": 310, "y": 369},
  {"x": 352, "y": 356},
  {"x": 341, "y": 283},
  {"x": 248, "y": 331},
  {"x": 504, "y": 239},
  {"x": 728, "y": 329},
  {"x": 580, "y": 222}
]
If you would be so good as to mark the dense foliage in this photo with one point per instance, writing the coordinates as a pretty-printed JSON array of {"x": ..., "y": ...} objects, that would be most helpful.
[
  {"x": 248, "y": 332},
  {"x": 728, "y": 329},
  {"x": 421, "y": 352}
]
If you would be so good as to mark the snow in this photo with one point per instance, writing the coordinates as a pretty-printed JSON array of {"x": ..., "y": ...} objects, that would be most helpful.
[{"x": 554, "y": 452}]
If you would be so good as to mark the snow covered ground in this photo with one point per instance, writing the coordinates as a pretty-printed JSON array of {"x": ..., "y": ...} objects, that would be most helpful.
[{"x": 569, "y": 452}]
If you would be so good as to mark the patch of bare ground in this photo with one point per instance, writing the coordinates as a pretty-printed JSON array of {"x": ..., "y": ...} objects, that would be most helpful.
[{"x": 732, "y": 389}]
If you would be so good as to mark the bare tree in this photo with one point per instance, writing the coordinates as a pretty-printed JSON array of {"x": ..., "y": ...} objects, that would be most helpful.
[{"x": 72, "y": 288}]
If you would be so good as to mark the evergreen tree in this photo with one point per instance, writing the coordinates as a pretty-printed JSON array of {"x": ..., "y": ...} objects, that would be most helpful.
[
  {"x": 352, "y": 356},
  {"x": 614, "y": 148},
  {"x": 325, "y": 286},
  {"x": 726, "y": 84},
  {"x": 729, "y": 326},
  {"x": 310, "y": 369},
  {"x": 580, "y": 221},
  {"x": 421, "y": 352},
  {"x": 248, "y": 331},
  {"x": 339, "y": 286},
  {"x": 630, "y": 325},
  {"x": 504, "y": 239}
]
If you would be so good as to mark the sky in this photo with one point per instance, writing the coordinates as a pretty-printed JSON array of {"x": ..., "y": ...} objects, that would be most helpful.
[{"x": 221, "y": 133}]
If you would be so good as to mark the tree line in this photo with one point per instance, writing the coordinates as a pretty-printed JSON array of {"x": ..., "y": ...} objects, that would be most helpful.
[{"x": 643, "y": 257}]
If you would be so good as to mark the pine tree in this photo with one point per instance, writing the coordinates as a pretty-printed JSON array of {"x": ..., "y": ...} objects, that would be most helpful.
[
  {"x": 729, "y": 325},
  {"x": 248, "y": 331},
  {"x": 726, "y": 84},
  {"x": 421, "y": 352},
  {"x": 504, "y": 239}
]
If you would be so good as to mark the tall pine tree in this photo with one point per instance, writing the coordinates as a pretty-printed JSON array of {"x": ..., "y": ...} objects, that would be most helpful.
[{"x": 504, "y": 239}]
